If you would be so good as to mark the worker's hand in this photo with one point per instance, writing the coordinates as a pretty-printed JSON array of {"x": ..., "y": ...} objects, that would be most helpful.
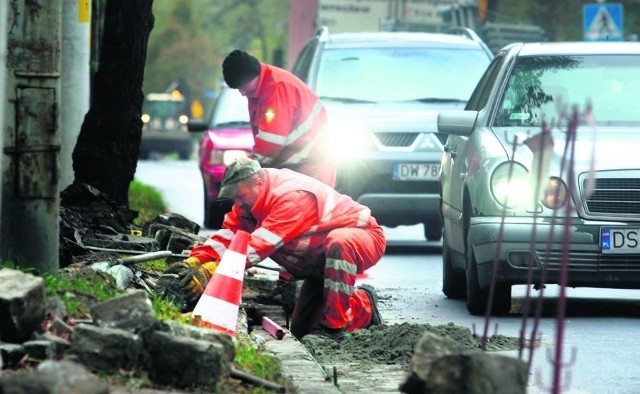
[
  {"x": 168, "y": 284},
  {"x": 194, "y": 280},
  {"x": 191, "y": 262}
]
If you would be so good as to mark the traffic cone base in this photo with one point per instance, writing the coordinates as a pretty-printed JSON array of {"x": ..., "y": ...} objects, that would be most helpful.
[
  {"x": 224, "y": 313},
  {"x": 219, "y": 305}
]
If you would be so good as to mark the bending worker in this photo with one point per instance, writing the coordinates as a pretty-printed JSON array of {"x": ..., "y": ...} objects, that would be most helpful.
[
  {"x": 309, "y": 229},
  {"x": 287, "y": 118}
]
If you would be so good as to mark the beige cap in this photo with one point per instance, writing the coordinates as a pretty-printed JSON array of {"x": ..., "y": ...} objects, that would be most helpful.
[{"x": 241, "y": 168}]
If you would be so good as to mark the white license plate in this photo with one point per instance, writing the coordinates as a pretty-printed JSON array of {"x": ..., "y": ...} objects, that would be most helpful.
[
  {"x": 416, "y": 171},
  {"x": 620, "y": 240}
]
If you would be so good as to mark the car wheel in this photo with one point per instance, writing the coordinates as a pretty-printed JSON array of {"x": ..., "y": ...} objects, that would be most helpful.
[
  {"x": 432, "y": 230},
  {"x": 213, "y": 214},
  {"x": 477, "y": 298},
  {"x": 454, "y": 284}
]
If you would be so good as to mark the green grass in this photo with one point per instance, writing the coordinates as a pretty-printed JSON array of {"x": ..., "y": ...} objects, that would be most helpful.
[
  {"x": 253, "y": 360},
  {"x": 78, "y": 293},
  {"x": 167, "y": 310},
  {"x": 147, "y": 200},
  {"x": 159, "y": 265}
]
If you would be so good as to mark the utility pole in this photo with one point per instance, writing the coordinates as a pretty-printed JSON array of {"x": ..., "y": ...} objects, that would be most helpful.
[
  {"x": 3, "y": 69},
  {"x": 29, "y": 231},
  {"x": 75, "y": 81}
]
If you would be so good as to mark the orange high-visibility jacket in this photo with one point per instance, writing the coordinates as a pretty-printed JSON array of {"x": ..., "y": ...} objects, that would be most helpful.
[
  {"x": 284, "y": 226},
  {"x": 289, "y": 123}
]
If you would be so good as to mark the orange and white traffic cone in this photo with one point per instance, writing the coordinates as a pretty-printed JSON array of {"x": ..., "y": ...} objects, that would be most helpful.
[{"x": 219, "y": 304}]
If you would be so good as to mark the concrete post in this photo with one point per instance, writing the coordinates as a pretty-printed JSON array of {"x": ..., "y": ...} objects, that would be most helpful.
[
  {"x": 3, "y": 71},
  {"x": 75, "y": 80},
  {"x": 30, "y": 197}
]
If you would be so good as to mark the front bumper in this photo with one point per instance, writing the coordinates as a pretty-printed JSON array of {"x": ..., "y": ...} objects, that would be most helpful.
[
  {"x": 401, "y": 209},
  {"x": 392, "y": 202},
  {"x": 510, "y": 246}
]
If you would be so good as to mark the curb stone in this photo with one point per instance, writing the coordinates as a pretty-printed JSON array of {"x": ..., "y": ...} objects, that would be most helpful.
[{"x": 298, "y": 365}]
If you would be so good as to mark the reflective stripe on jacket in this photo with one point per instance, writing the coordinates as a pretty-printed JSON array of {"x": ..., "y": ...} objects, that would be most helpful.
[
  {"x": 289, "y": 123},
  {"x": 291, "y": 219}
]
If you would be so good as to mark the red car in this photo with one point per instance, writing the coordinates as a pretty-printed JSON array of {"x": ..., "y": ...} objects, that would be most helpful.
[{"x": 227, "y": 136}]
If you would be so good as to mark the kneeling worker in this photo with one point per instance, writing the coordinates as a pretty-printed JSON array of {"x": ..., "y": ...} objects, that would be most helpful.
[{"x": 309, "y": 229}]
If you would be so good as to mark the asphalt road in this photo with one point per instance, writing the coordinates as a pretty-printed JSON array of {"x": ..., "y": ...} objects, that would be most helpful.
[{"x": 600, "y": 351}]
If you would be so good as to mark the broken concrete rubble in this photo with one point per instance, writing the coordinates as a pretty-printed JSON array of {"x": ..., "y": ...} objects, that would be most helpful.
[
  {"x": 54, "y": 377},
  {"x": 22, "y": 304},
  {"x": 123, "y": 335},
  {"x": 440, "y": 365},
  {"x": 91, "y": 222}
]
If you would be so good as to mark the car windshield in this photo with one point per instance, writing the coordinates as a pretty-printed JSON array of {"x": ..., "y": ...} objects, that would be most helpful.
[
  {"x": 231, "y": 108},
  {"x": 542, "y": 87},
  {"x": 163, "y": 108},
  {"x": 400, "y": 74}
]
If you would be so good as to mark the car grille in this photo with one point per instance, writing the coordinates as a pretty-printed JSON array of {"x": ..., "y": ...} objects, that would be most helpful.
[
  {"x": 614, "y": 196},
  {"x": 591, "y": 261},
  {"x": 396, "y": 140}
]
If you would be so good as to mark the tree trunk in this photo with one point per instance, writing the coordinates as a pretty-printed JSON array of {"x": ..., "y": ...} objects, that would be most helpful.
[{"x": 106, "y": 154}]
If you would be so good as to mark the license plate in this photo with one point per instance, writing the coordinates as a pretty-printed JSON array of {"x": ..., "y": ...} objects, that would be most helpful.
[
  {"x": 620, "y": 240},
  {"x": 416, "y": 171}
]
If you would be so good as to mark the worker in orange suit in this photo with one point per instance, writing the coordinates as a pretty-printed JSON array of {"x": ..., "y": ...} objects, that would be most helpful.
[
  {"x": 313, "y": 232},
  {"x": 288, "y": 119}
]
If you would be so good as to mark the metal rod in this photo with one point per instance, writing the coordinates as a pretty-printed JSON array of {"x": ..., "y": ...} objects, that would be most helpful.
[
  {"x": 141, "y": 258},
  {"x": 256, "y": 380},
  {"x": 129, "y": 251}
]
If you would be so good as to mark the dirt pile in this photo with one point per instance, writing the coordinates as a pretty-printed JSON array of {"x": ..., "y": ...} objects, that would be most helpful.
[{"x": 394, "y": 344}]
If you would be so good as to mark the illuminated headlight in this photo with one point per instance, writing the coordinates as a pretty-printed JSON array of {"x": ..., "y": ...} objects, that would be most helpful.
[
  {"x": 156, "y": 123},
  {"x": 510, "y": 185},
  {"x": 145, "y": 118},
  {"x": 225, "y": 157},
  {"x": 555, "y": 194},
  {"x": 183, "y": 119},
  {"x": 347, "y": 141}
]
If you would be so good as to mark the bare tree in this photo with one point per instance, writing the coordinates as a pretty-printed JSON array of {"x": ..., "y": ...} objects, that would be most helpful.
[{"x": 106, "y": 153}]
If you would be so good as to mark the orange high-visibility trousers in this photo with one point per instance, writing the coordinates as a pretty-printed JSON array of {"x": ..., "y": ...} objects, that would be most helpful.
[{"x": 332, "y": 300}]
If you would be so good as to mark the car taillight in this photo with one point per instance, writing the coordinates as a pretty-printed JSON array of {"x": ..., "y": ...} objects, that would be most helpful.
[
  {"x": 231, "y": 155},
  {"x": 216, "y": 157}
]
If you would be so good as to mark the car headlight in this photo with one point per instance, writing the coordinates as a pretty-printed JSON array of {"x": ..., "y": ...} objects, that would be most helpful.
[
  {"x": 347, "y": 141},
  {"x": 510, "y": 185},
  {"x": 555, "y": 194},
  {"x": 145, "y": 118}
]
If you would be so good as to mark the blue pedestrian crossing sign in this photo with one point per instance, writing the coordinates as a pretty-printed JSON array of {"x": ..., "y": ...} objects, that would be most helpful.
[{"x": 602, "y": 22}]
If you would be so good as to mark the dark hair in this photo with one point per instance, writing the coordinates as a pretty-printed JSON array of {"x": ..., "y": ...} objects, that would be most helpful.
[{"x": 239, "y": 67}]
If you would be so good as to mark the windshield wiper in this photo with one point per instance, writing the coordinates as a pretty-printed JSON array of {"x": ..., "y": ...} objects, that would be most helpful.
[
  {"x": 345, "y": 100},
  {"x": 235, "y": 123},
  {"x": 439, "y": 100}
]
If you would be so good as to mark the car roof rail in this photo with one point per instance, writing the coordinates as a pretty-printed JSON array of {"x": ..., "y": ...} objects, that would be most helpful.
[
  {"x": 465, "y": 31},
  {"x": 322, "y": 33},
  {"x": 470, "y": 34}
]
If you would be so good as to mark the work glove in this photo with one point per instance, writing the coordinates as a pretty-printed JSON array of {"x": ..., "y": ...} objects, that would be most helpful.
[
  {"x": 175, "y": 283},
  {"x": 195, "y": 276}
]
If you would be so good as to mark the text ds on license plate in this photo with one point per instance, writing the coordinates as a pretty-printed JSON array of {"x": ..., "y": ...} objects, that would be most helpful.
[
  {"x": 416, "y": 171},
  {"x": 620, "y": 240}
]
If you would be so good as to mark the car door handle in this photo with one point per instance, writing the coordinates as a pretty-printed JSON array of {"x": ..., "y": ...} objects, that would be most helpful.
[{"x": 449, "y": 150}]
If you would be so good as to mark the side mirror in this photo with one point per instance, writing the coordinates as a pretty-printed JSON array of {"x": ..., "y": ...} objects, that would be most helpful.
[{"x": 196, "y": 126}]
